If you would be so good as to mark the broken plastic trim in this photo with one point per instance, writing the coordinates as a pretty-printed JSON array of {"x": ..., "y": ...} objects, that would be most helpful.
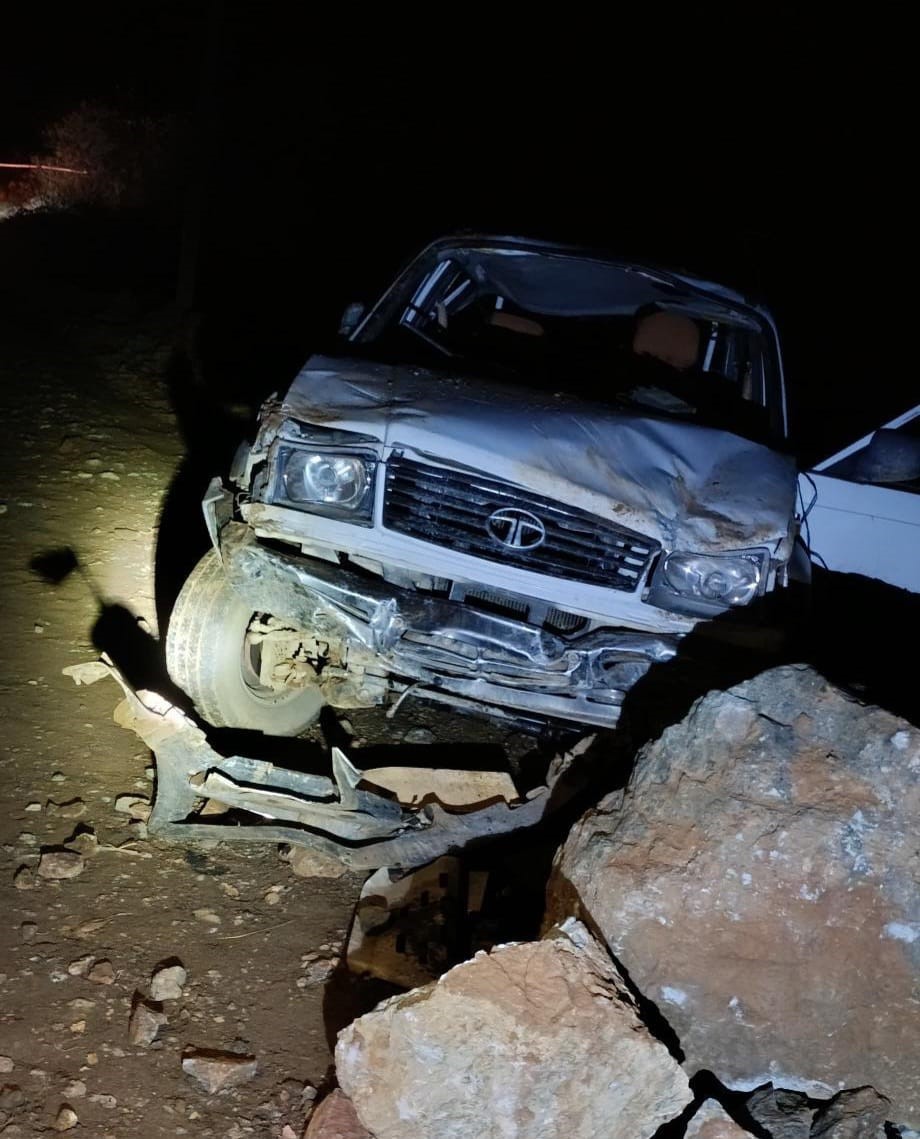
[{"x": 336, "y": 816}]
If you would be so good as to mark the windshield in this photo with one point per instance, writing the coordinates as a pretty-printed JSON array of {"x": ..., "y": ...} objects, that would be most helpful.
[{"x": 594, "y": 329}]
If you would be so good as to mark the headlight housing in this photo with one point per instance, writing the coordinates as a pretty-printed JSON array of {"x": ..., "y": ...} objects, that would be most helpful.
[
  {"x": 702, "y": 584},
  {"x": 333, "y": 483}
]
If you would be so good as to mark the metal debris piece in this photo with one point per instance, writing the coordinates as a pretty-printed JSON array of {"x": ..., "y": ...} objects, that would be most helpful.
[
  {"x": 409, "y": 818},
  {"x": 415, "y": 786},
  {"x": 88, "y": 672}
]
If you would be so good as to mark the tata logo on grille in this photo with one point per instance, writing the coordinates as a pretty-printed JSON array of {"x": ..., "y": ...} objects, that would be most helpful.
[{"x": 516, "y": 529}]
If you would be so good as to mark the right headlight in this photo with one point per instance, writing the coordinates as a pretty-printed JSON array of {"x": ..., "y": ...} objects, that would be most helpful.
[
  {"x": 703, "y": 584},
  {"x": 332, "y": 483}
]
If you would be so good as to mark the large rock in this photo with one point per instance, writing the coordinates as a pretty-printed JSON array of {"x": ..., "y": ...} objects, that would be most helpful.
[
  {"x": 759, "y": 883},
  {"x": 712, "y": 1121},
  {"x": 782, "y": 1114},
  {"x": 857, "y": 1114},
  {"x": 536, "y": 1040}
]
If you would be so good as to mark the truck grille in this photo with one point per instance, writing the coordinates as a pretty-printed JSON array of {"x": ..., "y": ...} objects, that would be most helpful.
[{"x": 502, "y": 523}]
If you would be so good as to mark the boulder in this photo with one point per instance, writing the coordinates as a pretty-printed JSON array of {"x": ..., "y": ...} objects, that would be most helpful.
[
  {"x": 537, "y": 1040},
  {"x": 781, "y": 1113},
  {"x": 857, "y": 1114},
  {"x": 712, "y": 1121},
  {"x": 757, "y": 881}
]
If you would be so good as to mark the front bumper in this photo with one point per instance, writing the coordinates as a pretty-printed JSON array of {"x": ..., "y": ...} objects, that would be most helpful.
[{"x": 439, "y": 649}]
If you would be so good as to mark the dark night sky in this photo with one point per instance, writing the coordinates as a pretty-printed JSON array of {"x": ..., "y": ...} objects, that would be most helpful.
[{"x": 764, "y": 151}]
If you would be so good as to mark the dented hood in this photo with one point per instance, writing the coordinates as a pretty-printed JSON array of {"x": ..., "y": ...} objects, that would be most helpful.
[{"x": 690, "y": 487}]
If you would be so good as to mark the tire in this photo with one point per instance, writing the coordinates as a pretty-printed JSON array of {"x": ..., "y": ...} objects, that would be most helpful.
[{"x": 205, "y": 657}]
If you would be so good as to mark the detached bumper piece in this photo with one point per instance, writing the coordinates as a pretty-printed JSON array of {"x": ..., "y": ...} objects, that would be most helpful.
[
  {"x": 397, "y": 817},
  {"x": 444, "y": 650}
]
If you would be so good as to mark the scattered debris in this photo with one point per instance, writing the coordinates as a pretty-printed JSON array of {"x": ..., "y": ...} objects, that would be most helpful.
[
  {"x": 80, "y": 966},
  {"x": 419, "y": 736},
  {"x": 92, "y": 926},
  {"x": 66, "y": 1119},
  {"x": 72, "y": 809},
  {"x": 307, "y": 863},
  {"x": 216, "y": 1070},
  {"x": 85, "y": 841},
  {"x": 167, "y": 981},
  {"x": 11, "y": 1097},
  {"x": 336, "y": 1118},
  {"x": 147, "y": 1018},
  {"x": 318, "y": 965},
  {"x": 137, "y": 806},
  {"x": 337, "y": 816},
  {"x": 76, "y": 1089},
  {"x": 416, "y": 786},
  {"x": 33, "y": 807},
  {"x": 406, "y": 926},
  {"x": 102, "y": 973},
  {"x": 209, "y": 917},
  {"x": 87, "y": 672},
  {"x": 28, "y": 930},
  {"x": 58, "y": 862},
  {"x": 272, "y": 895},
  {"x": 104, "y": 1100},
  {"x": 138, "y": 828},
  {"x": 24, "y": 878},
  {"x": 6, "y": 1064}
]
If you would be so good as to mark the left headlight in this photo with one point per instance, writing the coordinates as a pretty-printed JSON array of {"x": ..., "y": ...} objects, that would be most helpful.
[
  {"x": 325, "y": 482},
  {"x": 709, "y": 583}
]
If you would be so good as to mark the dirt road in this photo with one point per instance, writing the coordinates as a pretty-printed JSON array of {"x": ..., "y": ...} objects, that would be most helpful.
[{"x": 90, "y": 448}]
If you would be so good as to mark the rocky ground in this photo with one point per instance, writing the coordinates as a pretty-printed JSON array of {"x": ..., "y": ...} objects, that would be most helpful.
[
  {"x": 94, "y": 459},
  {"x": 90, "y": 448}
]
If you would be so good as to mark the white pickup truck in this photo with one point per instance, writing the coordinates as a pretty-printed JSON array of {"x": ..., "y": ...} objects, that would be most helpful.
[{"x": 531, "y": 471}]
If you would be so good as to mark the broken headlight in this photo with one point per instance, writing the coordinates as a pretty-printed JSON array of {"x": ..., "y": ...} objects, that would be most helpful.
[
  {"x": 701, "y": 584},
  {"x": 324, "y": 482}
]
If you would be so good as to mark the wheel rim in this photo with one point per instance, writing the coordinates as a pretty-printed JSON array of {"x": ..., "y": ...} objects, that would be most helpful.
[{"x": 251, "y": 669}]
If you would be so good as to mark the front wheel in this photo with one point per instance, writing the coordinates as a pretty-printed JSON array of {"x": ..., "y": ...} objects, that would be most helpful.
[{"x": 212, "y": 654}]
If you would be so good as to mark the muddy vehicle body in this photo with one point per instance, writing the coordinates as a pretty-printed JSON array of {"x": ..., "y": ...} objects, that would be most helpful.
[{"x": 529, "y": 474}]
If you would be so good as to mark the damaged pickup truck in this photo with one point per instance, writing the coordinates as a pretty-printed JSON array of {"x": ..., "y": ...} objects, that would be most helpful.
[{"x": 531, "y": 471}]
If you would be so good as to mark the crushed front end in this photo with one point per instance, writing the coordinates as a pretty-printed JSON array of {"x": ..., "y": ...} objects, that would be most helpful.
[{"x": 430, "y": 517}]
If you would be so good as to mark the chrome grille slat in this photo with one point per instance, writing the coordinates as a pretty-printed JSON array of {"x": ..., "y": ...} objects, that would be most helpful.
[{"x": 450, "y": 508}]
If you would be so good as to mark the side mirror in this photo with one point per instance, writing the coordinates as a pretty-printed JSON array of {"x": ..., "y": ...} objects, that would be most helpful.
[{"x": 351, "y": 318}]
